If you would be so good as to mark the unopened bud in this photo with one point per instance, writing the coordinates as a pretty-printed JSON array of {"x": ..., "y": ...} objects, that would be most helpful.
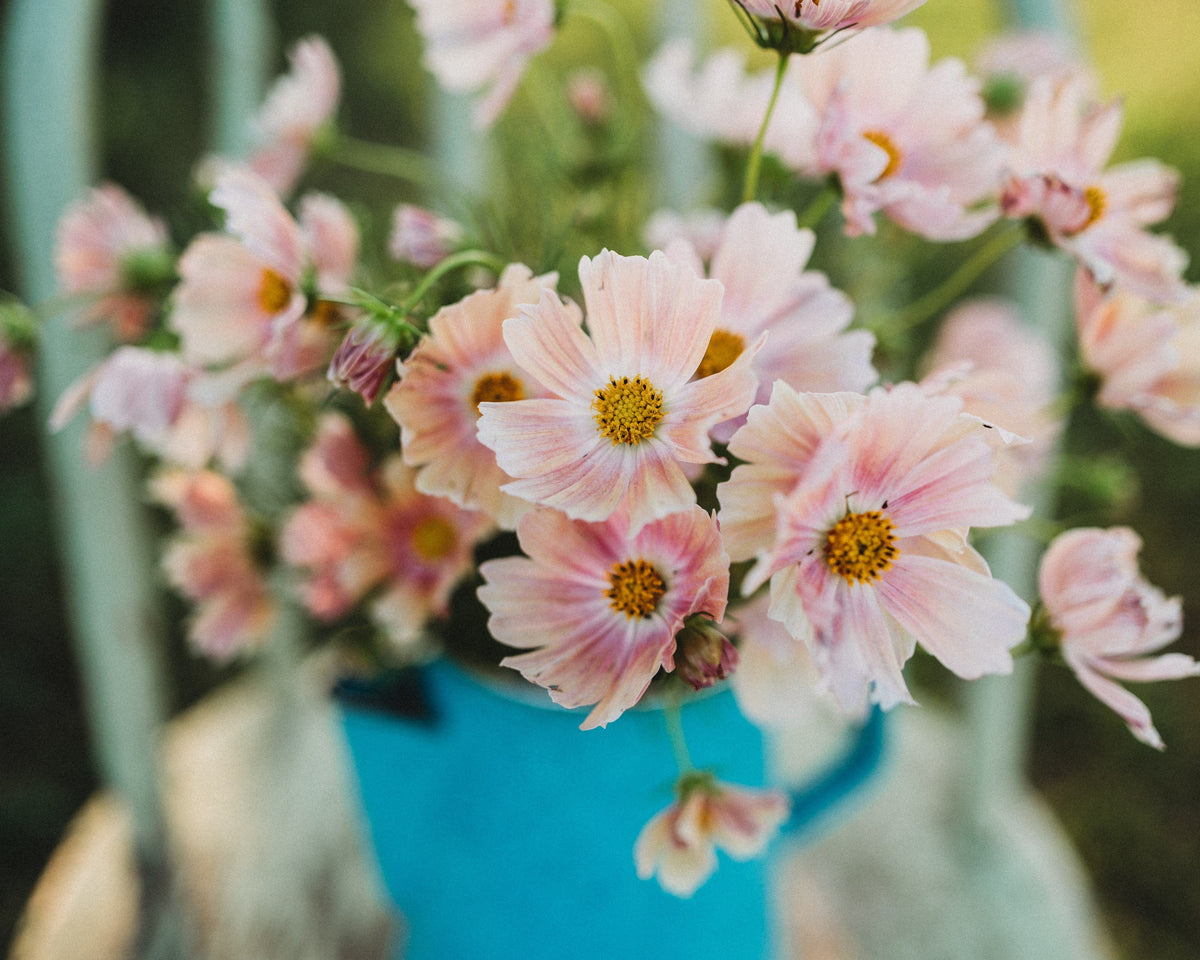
[
  {"x": 703, "y": 654},
  {"x": 366, "y": 358}
]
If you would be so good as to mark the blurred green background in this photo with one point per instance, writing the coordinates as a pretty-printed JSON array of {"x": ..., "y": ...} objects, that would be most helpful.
[{"x": 1134, "y": 814}]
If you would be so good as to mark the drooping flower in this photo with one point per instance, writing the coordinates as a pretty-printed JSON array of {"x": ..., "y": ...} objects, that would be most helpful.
[
  {"x": 679, "y": 844},
  {"x": 473, "y": 44},
  {"x": 211, "y": 562},
  {"x": 624, "y": 413},
  {"x": 857, "y": 510},
  {"x": 1006, "y": 374},
  {"x": 366, "y": 531},
  {"x": 597, "y": 608},
  {"x": 109, "y": 249},
  {"x": 421, "y": 237},
  {"x": 1107, "y": 620},
  {"x": 902, "y": 136},
  {"x": 462, "y": 363},
  {"x": 300, "y": 104},
  {"x": 243, "y": 299},
  {"x": 760, "y": 259},
  {"x": 1146, "y": 357},
  {"x": 167, "y": 407},
  {"x": 1058, "y": 182}
]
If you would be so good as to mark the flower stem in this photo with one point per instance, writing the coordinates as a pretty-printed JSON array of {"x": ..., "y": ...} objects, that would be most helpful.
[
  {"x": 970, "y": 270},
  {"x": 673, "y": 716},
  {"x": 820, "y": 205},
  {"x": 384, "y": 159},
  {"x": 465, "y": 258},
  {"x": 754, "y": 163}
]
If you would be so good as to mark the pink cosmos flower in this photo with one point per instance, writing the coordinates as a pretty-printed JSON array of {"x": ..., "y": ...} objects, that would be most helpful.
[
  {"x": 210, "y": 562},
  {"x": 297, "y": 107},
  {"x": 365, "y": 531},
  {"x": 1006, "y": 374},
  {"x": 472, "y": 44},
  {"x": 597, "y": 607},
  {"x": 857, "y": 510},
  {"x": 1058, "y": 181},
  {"x": 421, "y": 237},
  {"x": 1109, "y": 620},
  {"x": 820, "y": 16},
  {"x": 163, "y": 403},
  {"x": 625, "y": 412},
  {"x": 760, "y": 260},
  {"x": 462, "y": 363},
  {"x": 101, "y": 243},
  {"x": 1146, "y": 356},
  {"x": 242, "y": 300},
  {"x": 679, "y": 843},
  {"x": 903, "y": 137}
]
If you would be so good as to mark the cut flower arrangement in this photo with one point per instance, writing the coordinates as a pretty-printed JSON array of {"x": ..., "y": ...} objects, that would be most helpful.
[{"x": 628, "y": 454}]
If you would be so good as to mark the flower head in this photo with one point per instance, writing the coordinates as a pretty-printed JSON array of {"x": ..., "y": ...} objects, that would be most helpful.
[
  {"x": 1107, "y": 620},
  {"x": 624, "y": 411},
  {"x": 109, "y": 248},
  {"x": 857, "y": 510},
  {"x": 472, "y": 44},
  {"x": 597, "y": 608},
  {"x": 421, "y": 237},
  {"x": 679, "y": 843}
]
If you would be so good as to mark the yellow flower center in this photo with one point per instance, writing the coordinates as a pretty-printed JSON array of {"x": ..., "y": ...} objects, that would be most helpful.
[
  {"x": 724, "y": 347},
  {"x": 434, "y": 539},
  {"x": 274, "y": 293},
  {"x": 884, "y": 142},
  {"x": 1097, "y": 203},
  {"x": 325, "y": 313},
  {"x": 497, "y": 388},
  {"x": 861, "y": 546},
  {"x": 627, "y": 411},
  {"x": 635, "y": 587}
]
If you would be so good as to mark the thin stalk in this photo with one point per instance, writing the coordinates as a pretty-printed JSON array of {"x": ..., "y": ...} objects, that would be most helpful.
[
  {"x": 465, "y": 258},
  {"x": 754, "y": 163},
  {"x": 620, "y": 39},
  {"x": 385, "y": 159},
  {"x": 673, "y": 717},
  {"x": 820, "y": 205}
]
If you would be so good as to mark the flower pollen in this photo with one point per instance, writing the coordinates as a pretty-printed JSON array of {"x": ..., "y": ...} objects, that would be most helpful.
[
  {"x": 635, "y": 587},
  {"x": 884, "y": 142},
  {"x": 274, "y": 293},
  {"x": 1097, "y": 203},
  {"x": 434, "y": 539},
  {"x": 628, "y": 410},
  {"x": 724, "y": 346},
  {"x": 861, "y": 546},
  {"x": 497, "y": 388}
]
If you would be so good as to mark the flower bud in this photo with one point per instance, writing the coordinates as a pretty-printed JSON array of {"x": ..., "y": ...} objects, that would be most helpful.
[
  {"x": 703, "y": 655},
  {"x": 366, "y": 357}
]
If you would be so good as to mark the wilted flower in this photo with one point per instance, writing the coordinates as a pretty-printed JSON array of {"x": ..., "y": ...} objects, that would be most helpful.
[
  {"x": 679, "y": 843},
  {"x": 857, "y": 510},
  {"x": 597, "y": 607},
  {"x": 1106, "y": 620},
  {"x": 108, "y": 248},
  {"x": 422, "y": 238}
]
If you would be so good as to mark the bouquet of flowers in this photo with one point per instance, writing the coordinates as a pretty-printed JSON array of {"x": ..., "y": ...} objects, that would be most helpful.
[{"x": 626, "y": 453}]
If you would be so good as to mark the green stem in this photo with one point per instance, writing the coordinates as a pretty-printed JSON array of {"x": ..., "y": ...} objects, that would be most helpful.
[
  {"x": 385, "y": 159},
  {"x": 465, "y": 258},
  {"x": 970, "y": 270},
  {"x": 754, "y": 163},
  {"x": 820, "y": 205},
  {"x": 673, "y": 716}
]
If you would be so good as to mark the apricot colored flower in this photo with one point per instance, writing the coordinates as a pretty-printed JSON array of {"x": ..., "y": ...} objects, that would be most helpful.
[
  {"x": 462, "y": 363},
  {"x": 473, "y": 44},
  {"x": 210, "y": 561},
  {"x": 760, "y": 261},
  {"x": 1108, "y": 620},
  {"x": 1145, "y": 356},
  {"x": 857, "y": 510},
  {"x": 103, "y": 244},
  {"x": 297, "y": 107},
  {"x": 624, "y": 412},
  {"x": 366, "y": 531},
  {"x": 597, "y": 607},
  {"x": 1059, "y": 182},
  {"x": 679, "y": 844}
]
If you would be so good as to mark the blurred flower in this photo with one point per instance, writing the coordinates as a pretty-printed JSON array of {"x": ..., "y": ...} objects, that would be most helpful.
[
  {"x": 365, "y": 358},
  {"x": 462, "y": 363},
  {"x": 829, "y": 15},
  {"x": 298, "y": 106},
  {"x": 1058, "y": 182},
  {"x": 857, "y": 510},
  {"x": 211, "y": 562},
  {"x": 625, "y": 413},
  {"x": 109, "y": 249},
  {"x": 598, "y": 607},
  {"x": 590, "y": 96},
  {"x": 679, "y": 843},
  {"x": 472, "y": 44},
  {"x": 1010, "y": 62},
  {"x": 1107, "y": 619},
  {"x": 760, "y": 259},
  {"x": 1145, "y": 356},
  {"x": 18, "y": 336},
  {"x": 421, "y": 237}
]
